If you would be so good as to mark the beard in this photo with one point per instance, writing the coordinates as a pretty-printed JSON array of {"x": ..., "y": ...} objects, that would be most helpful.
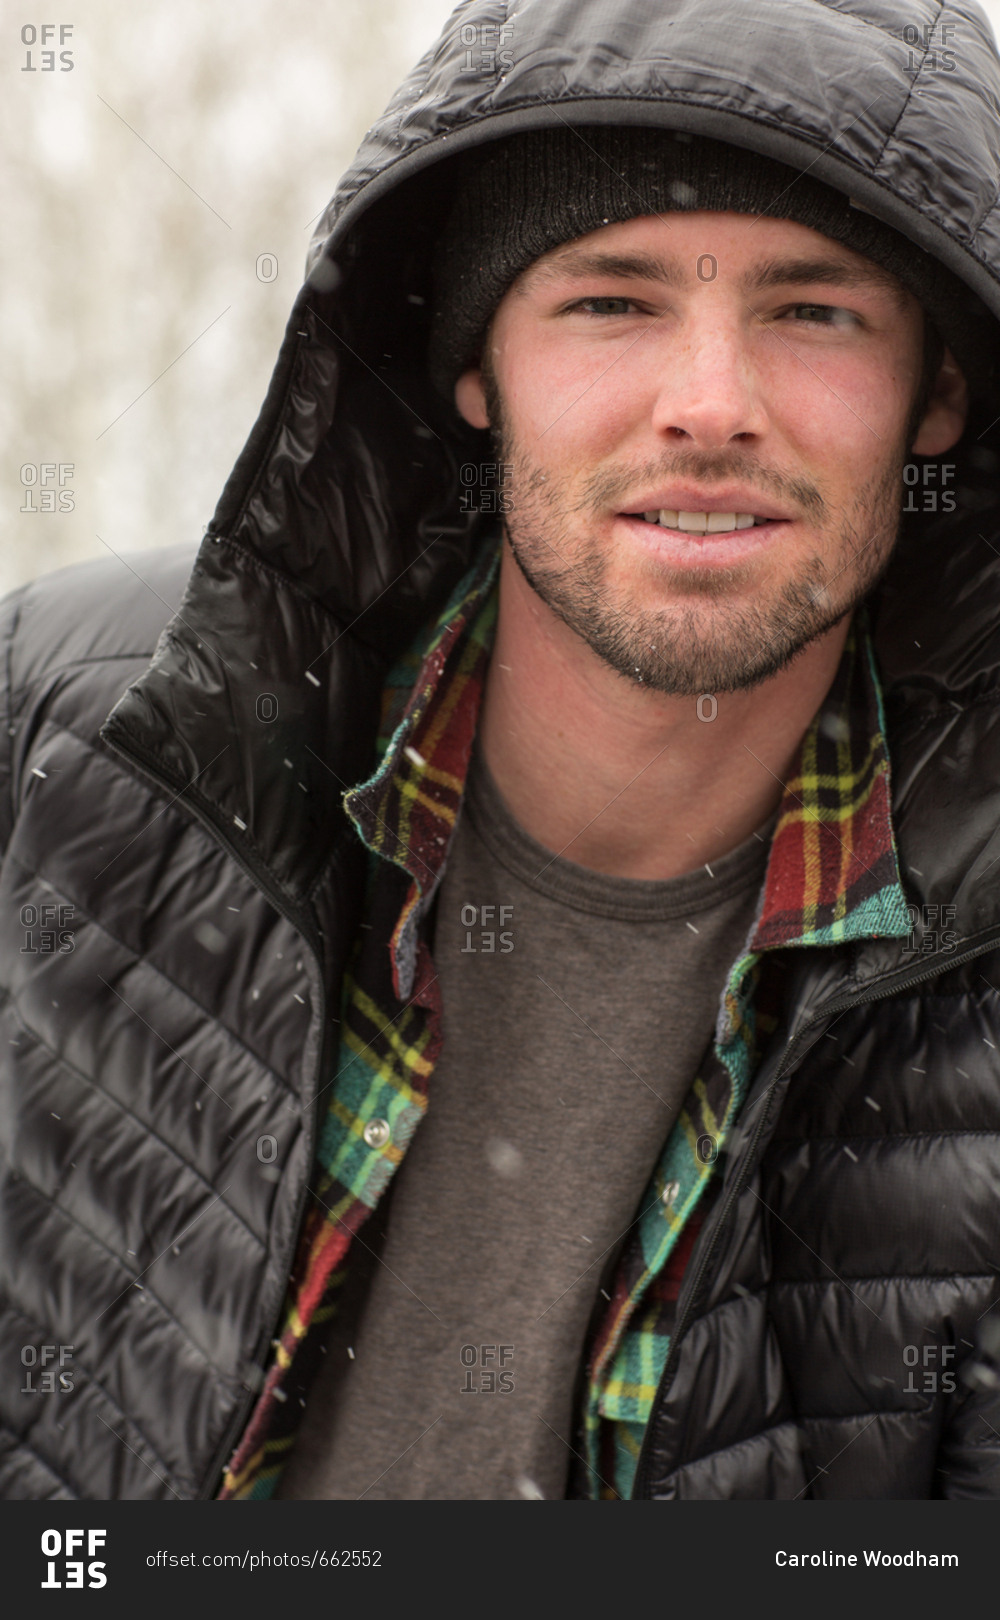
[{"x": 693, "y": 631}]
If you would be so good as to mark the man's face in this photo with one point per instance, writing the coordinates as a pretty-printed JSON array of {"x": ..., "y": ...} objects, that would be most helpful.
[{"x": 704, "y": 363}]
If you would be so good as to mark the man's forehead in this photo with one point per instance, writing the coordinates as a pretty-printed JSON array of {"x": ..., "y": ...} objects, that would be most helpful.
[{"x": 768, "y": 259}]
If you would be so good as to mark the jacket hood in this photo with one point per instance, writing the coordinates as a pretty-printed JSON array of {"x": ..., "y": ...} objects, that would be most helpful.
[
  {"x": 340, "y": 528},
  {"x": 896, "y": 107}
]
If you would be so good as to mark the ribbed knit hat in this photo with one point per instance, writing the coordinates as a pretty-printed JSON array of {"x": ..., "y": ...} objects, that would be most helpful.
[{"x": 519, "y": 197}]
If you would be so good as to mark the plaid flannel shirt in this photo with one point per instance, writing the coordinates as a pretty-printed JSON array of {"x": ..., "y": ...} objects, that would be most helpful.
[{"x": 832, "y": 877}]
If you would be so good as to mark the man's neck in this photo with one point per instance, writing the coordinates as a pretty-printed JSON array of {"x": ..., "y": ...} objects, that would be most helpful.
[{"x": 622, "y": 779}]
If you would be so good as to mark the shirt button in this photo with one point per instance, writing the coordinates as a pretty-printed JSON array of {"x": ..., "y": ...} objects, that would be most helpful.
[
  {"x": 376, "y": 1133},
  {"x": 670, "y": 1192}
]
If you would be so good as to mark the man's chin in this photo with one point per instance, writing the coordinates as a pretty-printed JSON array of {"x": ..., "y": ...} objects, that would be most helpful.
[
  {"x": 693, "y": 672},
  {"x": 660, "y": 583},
  {"x": 693, "y": 651},
  {"x": 718, "y": 630}
]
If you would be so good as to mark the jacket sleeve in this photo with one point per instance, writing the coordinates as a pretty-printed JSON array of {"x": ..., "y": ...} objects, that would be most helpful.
[{"x": 969, "y": 1461}]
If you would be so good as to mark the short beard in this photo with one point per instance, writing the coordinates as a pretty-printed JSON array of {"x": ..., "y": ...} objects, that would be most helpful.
[{"x": 679, "y": 649}]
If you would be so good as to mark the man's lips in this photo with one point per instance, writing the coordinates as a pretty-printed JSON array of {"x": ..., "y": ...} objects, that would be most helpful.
[
  {"x": 678, "y": 498},
  {"x": 686, "y": 549},
  {"x": 704, "y": 524}
]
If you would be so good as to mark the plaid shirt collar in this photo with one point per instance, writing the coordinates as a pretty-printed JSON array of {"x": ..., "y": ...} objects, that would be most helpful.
[{"x": 833, "y": 872}]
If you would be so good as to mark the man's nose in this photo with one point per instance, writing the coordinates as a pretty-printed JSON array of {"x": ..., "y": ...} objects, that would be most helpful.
[{"x": 709, "y": 388}]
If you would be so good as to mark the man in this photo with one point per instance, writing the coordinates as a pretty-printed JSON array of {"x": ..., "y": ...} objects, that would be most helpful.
[{"x": 520, "y": 1038}]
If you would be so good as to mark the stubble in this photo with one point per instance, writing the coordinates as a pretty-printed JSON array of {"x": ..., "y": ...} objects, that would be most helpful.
[{"x": 688, "y": 632}]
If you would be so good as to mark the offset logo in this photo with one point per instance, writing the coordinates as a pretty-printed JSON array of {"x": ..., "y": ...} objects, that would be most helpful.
[
  {"x": 47, "y": 34},
  {"x": 46, "y": 1381},
  {"x": 65, "y": 1566}
]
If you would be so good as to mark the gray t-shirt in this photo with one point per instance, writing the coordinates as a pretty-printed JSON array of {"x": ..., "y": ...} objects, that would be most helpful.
[{"x": 575, "y": 1020}]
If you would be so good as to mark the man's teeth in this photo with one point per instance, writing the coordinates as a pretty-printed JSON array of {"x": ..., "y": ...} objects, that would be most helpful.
[{"x": 702, "y": 522}]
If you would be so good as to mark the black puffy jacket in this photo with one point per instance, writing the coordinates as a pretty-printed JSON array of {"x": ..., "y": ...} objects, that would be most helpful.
[{"x": 181, "y": 884}]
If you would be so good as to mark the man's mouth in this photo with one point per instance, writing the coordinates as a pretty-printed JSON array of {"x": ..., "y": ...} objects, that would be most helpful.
[
  {"x": 698, "y": 538},
  {"x": 703, "y": 522}
]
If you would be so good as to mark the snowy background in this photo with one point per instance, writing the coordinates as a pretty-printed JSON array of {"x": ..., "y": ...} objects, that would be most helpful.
[{"x": 191, "y": 143}]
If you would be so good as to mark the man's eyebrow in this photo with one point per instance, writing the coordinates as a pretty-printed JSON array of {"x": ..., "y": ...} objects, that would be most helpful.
[
  {"x": 671, "y": 273},
  {"x": 830, "y": 271}
]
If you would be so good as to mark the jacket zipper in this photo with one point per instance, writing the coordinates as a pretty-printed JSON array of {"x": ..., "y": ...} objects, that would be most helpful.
[
  {"x": 261, "y": 878},
  {"x": 887, "y": 989}
]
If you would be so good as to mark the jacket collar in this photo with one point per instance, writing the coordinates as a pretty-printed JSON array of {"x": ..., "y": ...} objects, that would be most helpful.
[{"x": 258, "y": 710}]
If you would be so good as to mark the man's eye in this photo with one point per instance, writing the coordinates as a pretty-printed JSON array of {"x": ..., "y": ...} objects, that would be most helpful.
[
  {"x": 822, "y": 314},
  {"x": 604, "y": 306}
]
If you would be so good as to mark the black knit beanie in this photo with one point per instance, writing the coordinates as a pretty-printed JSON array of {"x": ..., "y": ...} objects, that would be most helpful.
[{"x": 519, "y": 197}]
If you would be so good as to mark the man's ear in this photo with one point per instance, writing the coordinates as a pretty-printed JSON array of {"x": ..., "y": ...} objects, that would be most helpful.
[
  {"x": 943, "y": 421},
  {"x": 470, "y": 399}
]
